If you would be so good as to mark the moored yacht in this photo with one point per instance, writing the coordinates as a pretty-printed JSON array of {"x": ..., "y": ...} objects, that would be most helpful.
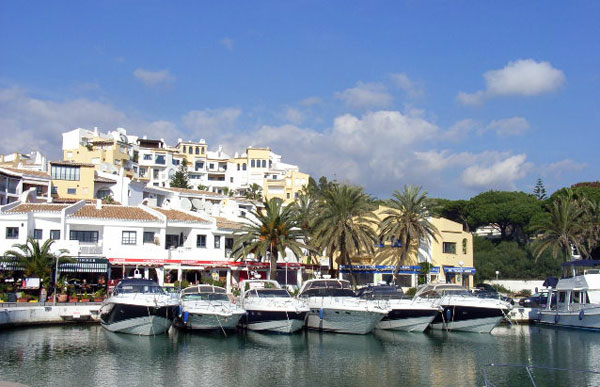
[
  {"x": 207, "y": 307},
  {"x": 138, "y": 306},
  {"x": 334, "y": 307},
  {"x": 406, "y": 313},
  {"x": 576, "y": 298},
  {"x": 271, "y": 308},
  {"x": 461, "y": 310}
]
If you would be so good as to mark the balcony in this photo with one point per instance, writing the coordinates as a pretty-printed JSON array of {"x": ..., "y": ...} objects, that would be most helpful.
[{"x": 90, "y": 249}]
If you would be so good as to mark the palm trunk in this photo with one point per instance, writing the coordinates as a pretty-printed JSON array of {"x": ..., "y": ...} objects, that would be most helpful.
[
  {"x": 273, "y": 265},
  {"x": 331, "y": 269},
  {"x": 403, "y": 256}
]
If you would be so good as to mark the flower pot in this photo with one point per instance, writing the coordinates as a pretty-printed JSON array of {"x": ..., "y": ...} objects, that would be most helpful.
[
  {"x": 84, "y": 300},
  {"x": 72, "y": 299},
  {"x": 62, "y": 298},
  {"x": 98, "y": 299},
  {"x": 21, "y": 300}
]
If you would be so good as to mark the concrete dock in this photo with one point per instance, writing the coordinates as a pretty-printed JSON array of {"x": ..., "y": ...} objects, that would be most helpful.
[{"x": 24, "y": 314}]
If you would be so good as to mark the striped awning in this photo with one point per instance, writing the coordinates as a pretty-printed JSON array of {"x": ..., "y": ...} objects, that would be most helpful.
[
  {"x": 85, "y": 265},
  {"x": 8, "y": 264}
]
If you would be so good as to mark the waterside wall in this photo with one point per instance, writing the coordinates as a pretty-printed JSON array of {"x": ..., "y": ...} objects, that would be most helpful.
[{"x": 15, "y": 315}]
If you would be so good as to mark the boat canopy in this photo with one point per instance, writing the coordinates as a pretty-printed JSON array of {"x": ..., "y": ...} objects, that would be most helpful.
[{"x": 204, "y": 289}]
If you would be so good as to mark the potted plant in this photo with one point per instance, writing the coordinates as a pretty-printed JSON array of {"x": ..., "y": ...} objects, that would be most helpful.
[
  {"x": 85, "y": 297},
  {"x": 73, "y": 297},
  {"x": 99, "y": 295}
]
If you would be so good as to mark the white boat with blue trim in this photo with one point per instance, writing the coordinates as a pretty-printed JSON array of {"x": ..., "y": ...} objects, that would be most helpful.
[
  {"x": 207, "y": 307},
  {"x": 577, "y": 297}
]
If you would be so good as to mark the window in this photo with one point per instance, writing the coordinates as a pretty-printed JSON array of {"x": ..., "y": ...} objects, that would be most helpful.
[
  {"x": 72, "y": 191},
  {"x": 211, "y": 166},
  {"x": 252, "y": 163},
  {"x": 148, "y": 157},
  {"x": 264, "y": 163},
  {"x": 270, "y": 163},
  {"x": 160, "y": 159},
  {"x": 200, "y": 241},
  {"x": 231, "y": 179},
  {"x": 287, "y": 195},
  {"x": 65, "y": 172},
  {"x": 202, "y": 150},
  {"x": 217, "y": 241},
  {"x": 562, "y": 296},
  {"x": 184, "y": 148},
  {"x": 175, "y": 162},
  {"x": 190, "y": 150},
  {"x": 39, "y": 190},
  {"x": 197, "y": 150},
  {"x": 449, "y": 247},
  {"x": 55, "y": 235},
  {"x": 229, "y": 243},
  {"x": 199, "y": 165},
  {"x": 12, "y": 233},
  {"x": 464, "y": 245},
  {"x": 238, "y": 167},
  {"x": 148, "y": 236},
  {"x": 37, "y": 234},
  {"x": 84, "y": 236},
  {"x": 129, "y": 238},
  {"x": 244, "y": 167}
]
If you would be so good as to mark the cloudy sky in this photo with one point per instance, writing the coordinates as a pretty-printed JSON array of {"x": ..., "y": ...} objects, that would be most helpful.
[{"x": 457, "y": 96}]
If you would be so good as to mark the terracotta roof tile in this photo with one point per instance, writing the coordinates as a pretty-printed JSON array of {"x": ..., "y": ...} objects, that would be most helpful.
[
  {"x": 36, "y": 207},
  {"x": 228, "y": 224},
  {"x": 28, "y": 172},
  {"x": 114, "y": 212},
  {"x": 179, "y": 216}
]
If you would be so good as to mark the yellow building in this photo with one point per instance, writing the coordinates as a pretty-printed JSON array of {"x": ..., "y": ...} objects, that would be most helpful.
[
  {"x": 107, "y": 155},
  {"x": 451, "y": 257},
  {"x": 72, "y": 180},
  {"x": 287, "y": 188}
]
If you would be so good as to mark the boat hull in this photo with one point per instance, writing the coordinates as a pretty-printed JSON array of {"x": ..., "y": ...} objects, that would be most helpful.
[
  {"x": 205, "y": 321},
  {"x": 467, "y": 318},
  {"x": 273, "y": 321},
  {"x": 136, "y": 319},
  {"x": 407, "y": 320},
  {"x": 343, "y": 321},
  {"x": 588, "y": 320}
]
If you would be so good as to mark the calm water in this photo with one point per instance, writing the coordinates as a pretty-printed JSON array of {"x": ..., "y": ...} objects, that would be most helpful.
[{"x": 88, "y": 355}]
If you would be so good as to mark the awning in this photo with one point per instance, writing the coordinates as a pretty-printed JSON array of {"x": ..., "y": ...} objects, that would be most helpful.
[
  {"x": 461, "y": 270},
  {"x": 8, "y": 264},
  {"x": 85, "y": 265},
  {"x": 386, "y": 269}
]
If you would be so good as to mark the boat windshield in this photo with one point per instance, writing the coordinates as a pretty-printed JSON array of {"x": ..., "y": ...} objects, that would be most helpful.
[
  {"x": 327, "y": 292},
  {"x": 145, "y": 289},
  {"x": 382, "y": 293},
  {"x": 205, "y": 297},
  {"x": 269, "y": 293},
  {"x": 455, "y": 292}
]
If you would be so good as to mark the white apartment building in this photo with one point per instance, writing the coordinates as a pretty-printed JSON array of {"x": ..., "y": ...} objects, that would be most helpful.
[{"x": 16, "y": 182}]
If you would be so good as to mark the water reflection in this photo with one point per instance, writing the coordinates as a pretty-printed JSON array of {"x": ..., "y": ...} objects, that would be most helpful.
[{"x": 89, "y": 355}]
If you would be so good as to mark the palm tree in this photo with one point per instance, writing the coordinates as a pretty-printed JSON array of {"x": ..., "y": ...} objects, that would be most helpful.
[
  {"x": 591, "y": 234},
  {"x": 345, "y": 224},
  {"x": 273, "y": 229},
  {"x": 407, "y": 218},
  {"x": 563, "y": 228},
  {"x": 254, "y": 192},
  {"x": 36, "y": 260},
  {"x": 304, "y": 211}
]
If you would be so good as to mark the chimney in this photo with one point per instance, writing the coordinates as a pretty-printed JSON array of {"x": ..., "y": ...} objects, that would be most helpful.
[
  {"x": 96, "y": 130},
  {"x": 98, "y": 204}
]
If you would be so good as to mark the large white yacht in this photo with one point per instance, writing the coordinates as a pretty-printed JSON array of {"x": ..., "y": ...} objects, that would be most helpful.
[
  {"x": 271, "y": 308},
  {"x": 138, "y": 306},
  {"x": 207, "y": 307},
  {"x": 461, "y": 310},
  {"x": 406, "y": 313},
  {"x": 577, "y": 296},
  {"x": 335, "y": 307}
]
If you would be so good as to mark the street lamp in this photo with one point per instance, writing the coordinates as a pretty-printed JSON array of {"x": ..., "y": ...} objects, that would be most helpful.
[
  {"x": 497, "y": 272},
  {"x": 286, "y": 259}
]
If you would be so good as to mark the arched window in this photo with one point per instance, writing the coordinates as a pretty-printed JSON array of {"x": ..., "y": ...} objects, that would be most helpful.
[{"x": 244, "y": 167}]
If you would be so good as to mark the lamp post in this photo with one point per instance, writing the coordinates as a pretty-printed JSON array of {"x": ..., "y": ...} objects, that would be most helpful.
[
  {"x": 55, "y": 281},
  {"x": 286, "y": 259},
  {"x": 497, "y": 272},
  {"x": 461, "y": 263}
]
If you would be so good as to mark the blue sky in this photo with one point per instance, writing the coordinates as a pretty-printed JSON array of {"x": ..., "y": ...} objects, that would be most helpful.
[{"x": 457, "y": 96}]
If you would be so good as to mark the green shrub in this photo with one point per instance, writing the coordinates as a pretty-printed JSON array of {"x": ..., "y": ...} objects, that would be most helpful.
[{"x": 411, "y": 291}]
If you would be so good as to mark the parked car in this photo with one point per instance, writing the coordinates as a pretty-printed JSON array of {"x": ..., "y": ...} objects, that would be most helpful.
[{"x": 538, "y": 300}]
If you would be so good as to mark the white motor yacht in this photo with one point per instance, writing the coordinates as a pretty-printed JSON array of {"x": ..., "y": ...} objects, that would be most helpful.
[
  {"x": 406, "y": 313},
  {"x": 461, "y": 310},
  {"x": 576, "y": 298},
  {"x": 334, "y": 307},
  {"x": 138, "y": 306},
  {"x": 271, "y": 308},
  {"x": 207, "y": 307}
]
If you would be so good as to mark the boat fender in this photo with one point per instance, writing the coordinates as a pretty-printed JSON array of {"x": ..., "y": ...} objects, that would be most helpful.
[
  {"x": 581, "y": 313},
  {"x": 186, "y": 316},
  {"x": 321, "y": 313},
  {"x": 556, "y": 318},
  {"x": 448, "y": 315}
]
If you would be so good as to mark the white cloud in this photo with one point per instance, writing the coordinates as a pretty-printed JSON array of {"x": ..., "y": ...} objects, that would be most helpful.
[
  {"x": 37, "y": 124},
  {"x": 524, "y": 77},
  {"x": 310, "y": 101},
  {"x": 509, "y": 126},
  {"x": 412, "y": 89},
  {"x": 209, "y": 123},
  {"x": 561, "y": 167},
  {"x": 153, "y": 78},
  {"x": 293, "y": 115},
  {"x": 460, "y": 130},
  {"x": 366, "y": 95},
  {"x": 497, "y": 174},
  {"x": 228, "y": 43}
]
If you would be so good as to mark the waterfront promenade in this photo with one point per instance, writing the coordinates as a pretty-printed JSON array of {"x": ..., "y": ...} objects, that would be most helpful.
[{"x": 24, "y": 314}]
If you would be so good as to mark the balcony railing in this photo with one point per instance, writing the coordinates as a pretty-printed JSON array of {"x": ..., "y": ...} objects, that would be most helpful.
[{"x": 90, "y": 249}]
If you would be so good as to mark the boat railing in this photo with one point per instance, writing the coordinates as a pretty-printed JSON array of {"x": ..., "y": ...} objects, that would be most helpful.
[{"x": 529, "y": 369}]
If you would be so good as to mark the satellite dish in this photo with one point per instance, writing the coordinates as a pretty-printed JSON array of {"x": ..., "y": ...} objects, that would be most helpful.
[
  {"x": 166, "y": 204},
  {"x": 185, "y": 204},
  {"x": 197, "y": 203}
]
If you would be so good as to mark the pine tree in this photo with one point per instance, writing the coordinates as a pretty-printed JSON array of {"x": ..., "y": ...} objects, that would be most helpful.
[
  {"x": 180, "y": 178},
  {"x": 540, "y": 191}
]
